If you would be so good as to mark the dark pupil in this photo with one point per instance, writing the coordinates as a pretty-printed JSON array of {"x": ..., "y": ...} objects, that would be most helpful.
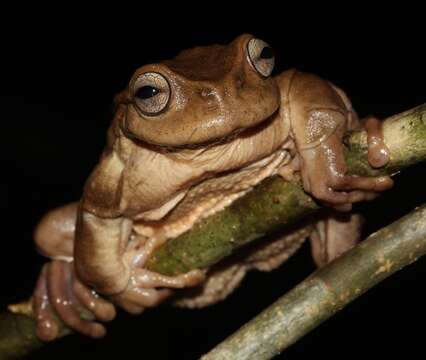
[
  {"x": 267, "y": 53},
  {"x": 146, "y": 92}
]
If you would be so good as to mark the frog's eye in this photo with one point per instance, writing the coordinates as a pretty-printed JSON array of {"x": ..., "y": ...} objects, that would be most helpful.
[
  {"x": 261, "y": 56},
  {"x": 151, "y": 92}
]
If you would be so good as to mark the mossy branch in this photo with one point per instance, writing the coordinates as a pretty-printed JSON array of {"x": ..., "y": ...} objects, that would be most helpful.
[
  {"x": 327, "y": 291},
  {"x": 273, "y": 204},
  {"x": 276, "y": 203}
]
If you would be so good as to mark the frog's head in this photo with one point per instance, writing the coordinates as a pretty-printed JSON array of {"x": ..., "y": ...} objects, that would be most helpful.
[{"x": 203, "y": 95}]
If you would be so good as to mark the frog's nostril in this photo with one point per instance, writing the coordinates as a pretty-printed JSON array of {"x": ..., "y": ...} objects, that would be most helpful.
[{"x": 206, "y": 92}]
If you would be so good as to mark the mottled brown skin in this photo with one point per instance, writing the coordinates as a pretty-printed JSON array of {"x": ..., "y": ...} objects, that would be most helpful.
[{"x": 189, "y": 136}]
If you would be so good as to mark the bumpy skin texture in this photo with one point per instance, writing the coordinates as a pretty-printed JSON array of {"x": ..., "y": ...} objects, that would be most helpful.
[{"x": 189, "y": 136}]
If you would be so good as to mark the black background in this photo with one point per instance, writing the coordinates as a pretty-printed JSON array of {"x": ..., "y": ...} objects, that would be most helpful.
[{"x": 59, "y": 70}]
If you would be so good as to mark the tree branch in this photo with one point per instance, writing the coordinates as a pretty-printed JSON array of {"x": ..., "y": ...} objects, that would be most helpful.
[
  {"x": 273, "y": 204},
  {"x": 327, "y": 291},
  {"x": 276, "y": 203}
]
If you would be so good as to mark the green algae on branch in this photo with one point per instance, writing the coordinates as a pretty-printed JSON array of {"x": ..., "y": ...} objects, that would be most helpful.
[
  {"x": 327, "y": 291},
  {"x": 276, "y": 203},
  {"x": 17, "y": 336},
  {"x": 271, "y": 205}
]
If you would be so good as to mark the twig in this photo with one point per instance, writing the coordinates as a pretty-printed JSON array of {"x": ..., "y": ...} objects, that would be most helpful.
[{"x": 327, "y": 291}]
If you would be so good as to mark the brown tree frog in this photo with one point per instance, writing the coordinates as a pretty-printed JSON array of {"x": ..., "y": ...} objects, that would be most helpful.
[{"x": 189, "y": 136}]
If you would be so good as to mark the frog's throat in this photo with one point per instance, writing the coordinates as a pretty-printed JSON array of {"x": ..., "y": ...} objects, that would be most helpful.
[{"x": 210, "y": 197}]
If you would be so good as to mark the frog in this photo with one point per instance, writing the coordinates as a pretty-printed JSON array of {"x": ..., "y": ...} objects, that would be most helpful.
[{"x": 189, "y": 136}]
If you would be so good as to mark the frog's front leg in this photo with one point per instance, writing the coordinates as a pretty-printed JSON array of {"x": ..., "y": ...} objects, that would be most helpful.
[
  {"x": 324, "y": 175},
  {"x": 105, "y": 260},
  {"x": 320, "y": 116},
  {"x": 104, "y": 256},
  {"x": 59, "y": 293},
  {"x": 147, "y": 288}
]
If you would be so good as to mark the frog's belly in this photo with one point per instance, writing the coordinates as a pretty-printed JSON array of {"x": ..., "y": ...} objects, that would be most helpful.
[{"x": 208, "y": 197}]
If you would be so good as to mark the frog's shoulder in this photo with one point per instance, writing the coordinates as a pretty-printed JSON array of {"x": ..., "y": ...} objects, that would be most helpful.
[
  {"x": 312, "y": 91},
  {"x": 284, "y": 81},
  {"x": 307, "y": 89}
]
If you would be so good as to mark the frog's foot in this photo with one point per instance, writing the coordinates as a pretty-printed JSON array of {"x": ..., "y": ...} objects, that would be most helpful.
[
  {"x": 333, "y": 234},
  {"x": 378, "y": 152},
  {"x": 340, "y": 190},
  {"x": 367, "y": 188},
  {"x": 147, "y": 288},
  {"x": 60, "y": 296},
  {"x": 324, "y": 175}
]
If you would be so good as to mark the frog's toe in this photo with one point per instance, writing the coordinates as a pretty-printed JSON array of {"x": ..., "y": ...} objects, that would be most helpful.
[
  {"x": 101, "y": 309},
  {"x": 151, "y": 297},
  {"x": 47, "y": 327},
  {"x": 328, "y": 195},
  {"x": 58, "y": 278},
  {"x": 358, "y": 196},
  {"x": 134, "y": 300},
  {"x": 378, "y": 152},
  {"x": 369, "y": 184},
  {"x": 130, "y": 307},
  {"x": 345, "y": 190},
  {"x": 148, "y": 289},
  {"x": 149, "y": 279}
]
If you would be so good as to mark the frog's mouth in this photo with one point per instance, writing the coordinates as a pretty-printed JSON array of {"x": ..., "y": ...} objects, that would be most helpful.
[
  {"x": 249, "y": 131},
  {"x": 242, "y": 133}
]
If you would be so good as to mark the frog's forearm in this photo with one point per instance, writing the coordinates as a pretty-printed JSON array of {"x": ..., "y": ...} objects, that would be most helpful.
[
  {"x": 276, "y": 203},
  {"x": 98, "y": 251}
]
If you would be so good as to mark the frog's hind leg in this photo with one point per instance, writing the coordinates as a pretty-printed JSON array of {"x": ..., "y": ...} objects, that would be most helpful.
[
  {"x": 54, "y": 235},
  {"x": 270, "y": 255},
  {"x": 221, "y": 281},
  {"x": 59, "y": 293},
  {"x": 334, "y": 234}
]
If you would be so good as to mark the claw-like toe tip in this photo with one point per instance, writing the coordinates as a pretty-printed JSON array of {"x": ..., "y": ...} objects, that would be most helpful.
[{"x": 47, "y": 330}]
